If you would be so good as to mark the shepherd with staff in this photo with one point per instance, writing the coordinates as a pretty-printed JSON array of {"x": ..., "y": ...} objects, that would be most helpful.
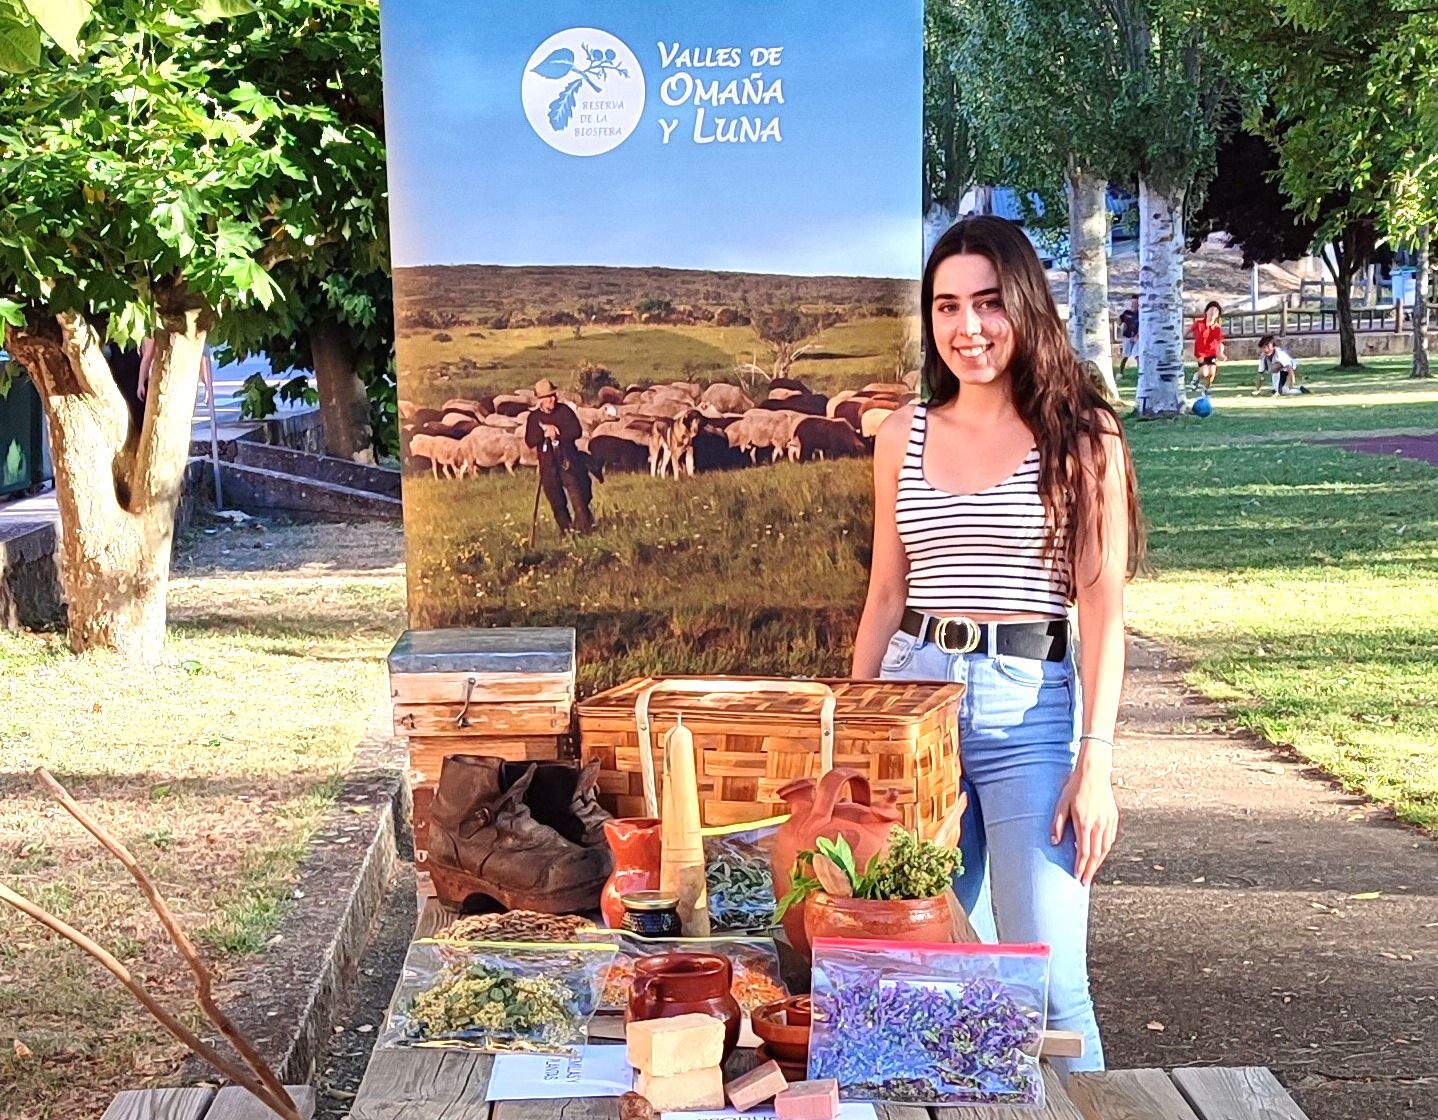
[{"x": 553, "y": 430}]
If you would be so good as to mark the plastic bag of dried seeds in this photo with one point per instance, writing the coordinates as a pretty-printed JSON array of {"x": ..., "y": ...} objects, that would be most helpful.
[
  {"x": 497, "y": 996},
  {"x": 929, "y": 1024},
  {"x": 740, "y": 876}
]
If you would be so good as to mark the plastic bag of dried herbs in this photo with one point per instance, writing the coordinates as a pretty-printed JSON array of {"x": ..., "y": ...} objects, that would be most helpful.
[
  {"x": 497, "y": 996},
  {"x": 740, "y": 878},
  {"x": 929, "y": 1024},
  {"x": 757, "y": 978}
]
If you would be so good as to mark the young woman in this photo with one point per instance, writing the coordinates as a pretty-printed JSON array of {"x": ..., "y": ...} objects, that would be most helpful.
[
  {"x": 1208, "y": 345},
  {"x": 1007, "y": 496}
]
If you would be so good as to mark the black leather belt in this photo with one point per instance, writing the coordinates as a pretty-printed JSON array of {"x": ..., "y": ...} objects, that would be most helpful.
[{"x": 1046, "y": 641}]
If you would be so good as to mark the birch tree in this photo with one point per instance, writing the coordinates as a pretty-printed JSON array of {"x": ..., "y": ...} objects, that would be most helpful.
[
  {"x": 1173, "y": 90},
  {"x": 1051, "y": 136}
]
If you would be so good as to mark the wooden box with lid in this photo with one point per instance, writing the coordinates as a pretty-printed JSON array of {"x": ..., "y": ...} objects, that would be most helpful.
[
  {"x": 752, "y": 736},
  {"x": 506, "y": 692}
]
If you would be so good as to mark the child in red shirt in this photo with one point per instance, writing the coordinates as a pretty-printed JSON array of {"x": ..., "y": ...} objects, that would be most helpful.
[{"x": 1208, "y": 345}]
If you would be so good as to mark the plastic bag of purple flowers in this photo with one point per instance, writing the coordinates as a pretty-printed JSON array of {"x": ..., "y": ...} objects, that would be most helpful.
[{"x": 929, "y": 1024}]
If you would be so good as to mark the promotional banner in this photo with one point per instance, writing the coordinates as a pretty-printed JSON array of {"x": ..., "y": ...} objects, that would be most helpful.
[{"x": 655, "y": 289}]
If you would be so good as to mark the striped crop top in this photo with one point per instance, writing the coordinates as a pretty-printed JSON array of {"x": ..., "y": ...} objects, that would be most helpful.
[{"x": 976, "y": 553}]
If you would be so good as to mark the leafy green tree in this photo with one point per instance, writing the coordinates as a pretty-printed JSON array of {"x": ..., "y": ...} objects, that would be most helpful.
[
  {"x": 1054, "y": 138},
  {"x": 1121, "y": 90},
  {"x": 1354, "y": 117},
  {"x": 139, "y": 189},
  {"x": 953, "y": 157},
  {"x": 310, "y": 71}
]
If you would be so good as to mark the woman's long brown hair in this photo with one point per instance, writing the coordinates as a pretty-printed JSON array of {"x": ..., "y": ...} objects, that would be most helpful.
[{"x": 1055, "y": 397}]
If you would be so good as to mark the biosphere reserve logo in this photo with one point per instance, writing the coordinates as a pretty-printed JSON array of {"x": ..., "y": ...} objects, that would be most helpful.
[{"x": 583, "y": 91}]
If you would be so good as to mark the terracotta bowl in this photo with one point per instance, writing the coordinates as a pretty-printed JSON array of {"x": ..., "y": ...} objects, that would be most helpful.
[{"x": 784, "y": 1028}]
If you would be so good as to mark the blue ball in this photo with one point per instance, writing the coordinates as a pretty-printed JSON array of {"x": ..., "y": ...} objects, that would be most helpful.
[{"x": 1202, "y": 407}]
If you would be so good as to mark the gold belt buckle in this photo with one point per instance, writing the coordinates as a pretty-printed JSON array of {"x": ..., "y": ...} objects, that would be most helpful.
[{"x": 971, "y": 633}]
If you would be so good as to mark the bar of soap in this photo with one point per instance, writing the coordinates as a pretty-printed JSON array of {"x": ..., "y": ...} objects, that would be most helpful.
[
  {"x": 808, "y": 1100},
  {"x": 757, "y": 1086},
  {"x": 699, "y": 1088},
  {"x": 666, "y": 1047}
]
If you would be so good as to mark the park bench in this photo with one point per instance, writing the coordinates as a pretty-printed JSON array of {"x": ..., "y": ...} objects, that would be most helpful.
[{"x": 426, "y": 1084}]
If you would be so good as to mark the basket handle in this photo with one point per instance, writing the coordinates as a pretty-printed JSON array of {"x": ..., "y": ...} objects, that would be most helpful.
[{"x": 741, "y": 688}]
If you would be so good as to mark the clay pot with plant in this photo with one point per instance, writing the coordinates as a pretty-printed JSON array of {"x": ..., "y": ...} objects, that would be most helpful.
[{"x": 901, "y": 894}]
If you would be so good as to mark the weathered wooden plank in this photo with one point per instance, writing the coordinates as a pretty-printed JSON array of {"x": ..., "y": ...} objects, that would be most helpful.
[
  {"x": 434, "y": 917},
  {"x": 1057, "y": 1105},
  {"x": 423, "y": 1085},
  {"x": 901, "y": 1112},
  {"x": 1236, "y": 1093},
  {"x": 580, "y": 1108},
  {"x": 515, "y": 718},
  {"x": 159, "y": 1104},
  {"x": 233, "y": 1103},
  {"x": 1128, "y": 1094},
  {"x": 488, "y": 688}
]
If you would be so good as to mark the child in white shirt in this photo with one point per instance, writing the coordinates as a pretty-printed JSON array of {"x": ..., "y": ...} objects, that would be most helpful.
[{"x": 1277, "y": 367}]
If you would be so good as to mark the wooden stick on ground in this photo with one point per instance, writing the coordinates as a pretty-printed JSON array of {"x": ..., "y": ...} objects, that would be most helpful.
[
  {"x": 186, "y": 948},
  {"x": 282, "y": 1107}
]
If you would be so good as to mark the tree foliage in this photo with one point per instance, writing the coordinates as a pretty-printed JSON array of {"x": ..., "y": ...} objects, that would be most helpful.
[
  {"x": 148, "y": 185},
  {"x": 1245, "y": 202},
  {"x": 311, "y": 68}
]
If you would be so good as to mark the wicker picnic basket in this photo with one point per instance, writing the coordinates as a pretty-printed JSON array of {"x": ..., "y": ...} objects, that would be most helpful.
[{"x": 753, "y": 735}]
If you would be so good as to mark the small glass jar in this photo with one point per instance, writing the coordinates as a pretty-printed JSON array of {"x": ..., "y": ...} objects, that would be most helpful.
[{"x": 651, "y": 914}]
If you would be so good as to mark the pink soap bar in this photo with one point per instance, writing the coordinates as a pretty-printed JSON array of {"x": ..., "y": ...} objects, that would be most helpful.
[
  {"x": 756, "y": 1086},
  {"x": 808, "y": 1100}
]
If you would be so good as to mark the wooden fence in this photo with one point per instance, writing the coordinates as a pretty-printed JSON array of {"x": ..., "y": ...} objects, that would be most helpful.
[{"x": 1286, "y": 322}]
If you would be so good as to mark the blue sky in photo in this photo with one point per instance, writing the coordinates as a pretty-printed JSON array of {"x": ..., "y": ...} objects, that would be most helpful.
[{"x": 471, "y": 183}]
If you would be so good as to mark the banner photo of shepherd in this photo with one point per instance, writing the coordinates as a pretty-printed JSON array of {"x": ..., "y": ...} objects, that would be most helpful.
[{"x": 655, "y": 291}]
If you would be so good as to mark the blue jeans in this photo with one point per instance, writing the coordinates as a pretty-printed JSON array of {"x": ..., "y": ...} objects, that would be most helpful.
[{"x": 1019, "y": 728}]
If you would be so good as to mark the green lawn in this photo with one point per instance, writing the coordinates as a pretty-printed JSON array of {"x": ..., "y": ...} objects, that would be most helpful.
[
  {"x": 1302, "y": 579},
  {"x": 213, "y": 768}
]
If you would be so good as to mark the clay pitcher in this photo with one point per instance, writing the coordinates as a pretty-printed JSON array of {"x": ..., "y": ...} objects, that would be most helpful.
[
  {"x": 635, "y": 844},
  {"x": 683, "y": 984},
  {"x": 822, "y": 809}
]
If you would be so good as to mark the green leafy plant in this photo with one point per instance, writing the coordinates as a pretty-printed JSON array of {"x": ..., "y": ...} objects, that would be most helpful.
[{"x": 909, "y": 868}]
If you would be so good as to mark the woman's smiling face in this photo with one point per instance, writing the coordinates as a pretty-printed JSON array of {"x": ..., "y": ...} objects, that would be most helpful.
[{"x": 972, "y": 331}]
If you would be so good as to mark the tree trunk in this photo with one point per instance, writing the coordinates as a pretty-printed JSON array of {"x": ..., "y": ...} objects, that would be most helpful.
[
  {"x": 1342, "y": 267},
  {"x": 1160, "y": 306},
  {"x": 1420, "y": 306},
  {"x": 344, "y": 404},
  {"x": 1089, "y": 329},
  {"x": 116, "y": 488}
]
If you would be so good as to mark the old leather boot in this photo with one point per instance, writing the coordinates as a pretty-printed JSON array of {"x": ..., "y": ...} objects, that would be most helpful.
[
  {"x": 484, "y": 841},
  {"x": 565, "y": 797}
]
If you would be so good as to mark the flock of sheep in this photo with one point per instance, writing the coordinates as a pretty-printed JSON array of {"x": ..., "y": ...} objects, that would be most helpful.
[{"x": 678, "y": 428}]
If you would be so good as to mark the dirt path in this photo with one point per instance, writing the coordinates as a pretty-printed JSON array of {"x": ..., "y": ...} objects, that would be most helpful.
[{"x": 1263, "y": 917}]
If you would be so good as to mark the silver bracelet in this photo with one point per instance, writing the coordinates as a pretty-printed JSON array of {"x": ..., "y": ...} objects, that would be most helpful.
[{"x": 1099, "y": 738}]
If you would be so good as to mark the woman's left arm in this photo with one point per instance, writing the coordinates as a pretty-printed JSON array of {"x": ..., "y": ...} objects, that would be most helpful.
[{"x": 1088, "y": 799}]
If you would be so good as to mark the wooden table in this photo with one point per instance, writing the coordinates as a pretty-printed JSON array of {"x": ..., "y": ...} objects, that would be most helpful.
[
  {"x": 449, "y": 1085},
  {"x": 422, "y": 1084}
]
